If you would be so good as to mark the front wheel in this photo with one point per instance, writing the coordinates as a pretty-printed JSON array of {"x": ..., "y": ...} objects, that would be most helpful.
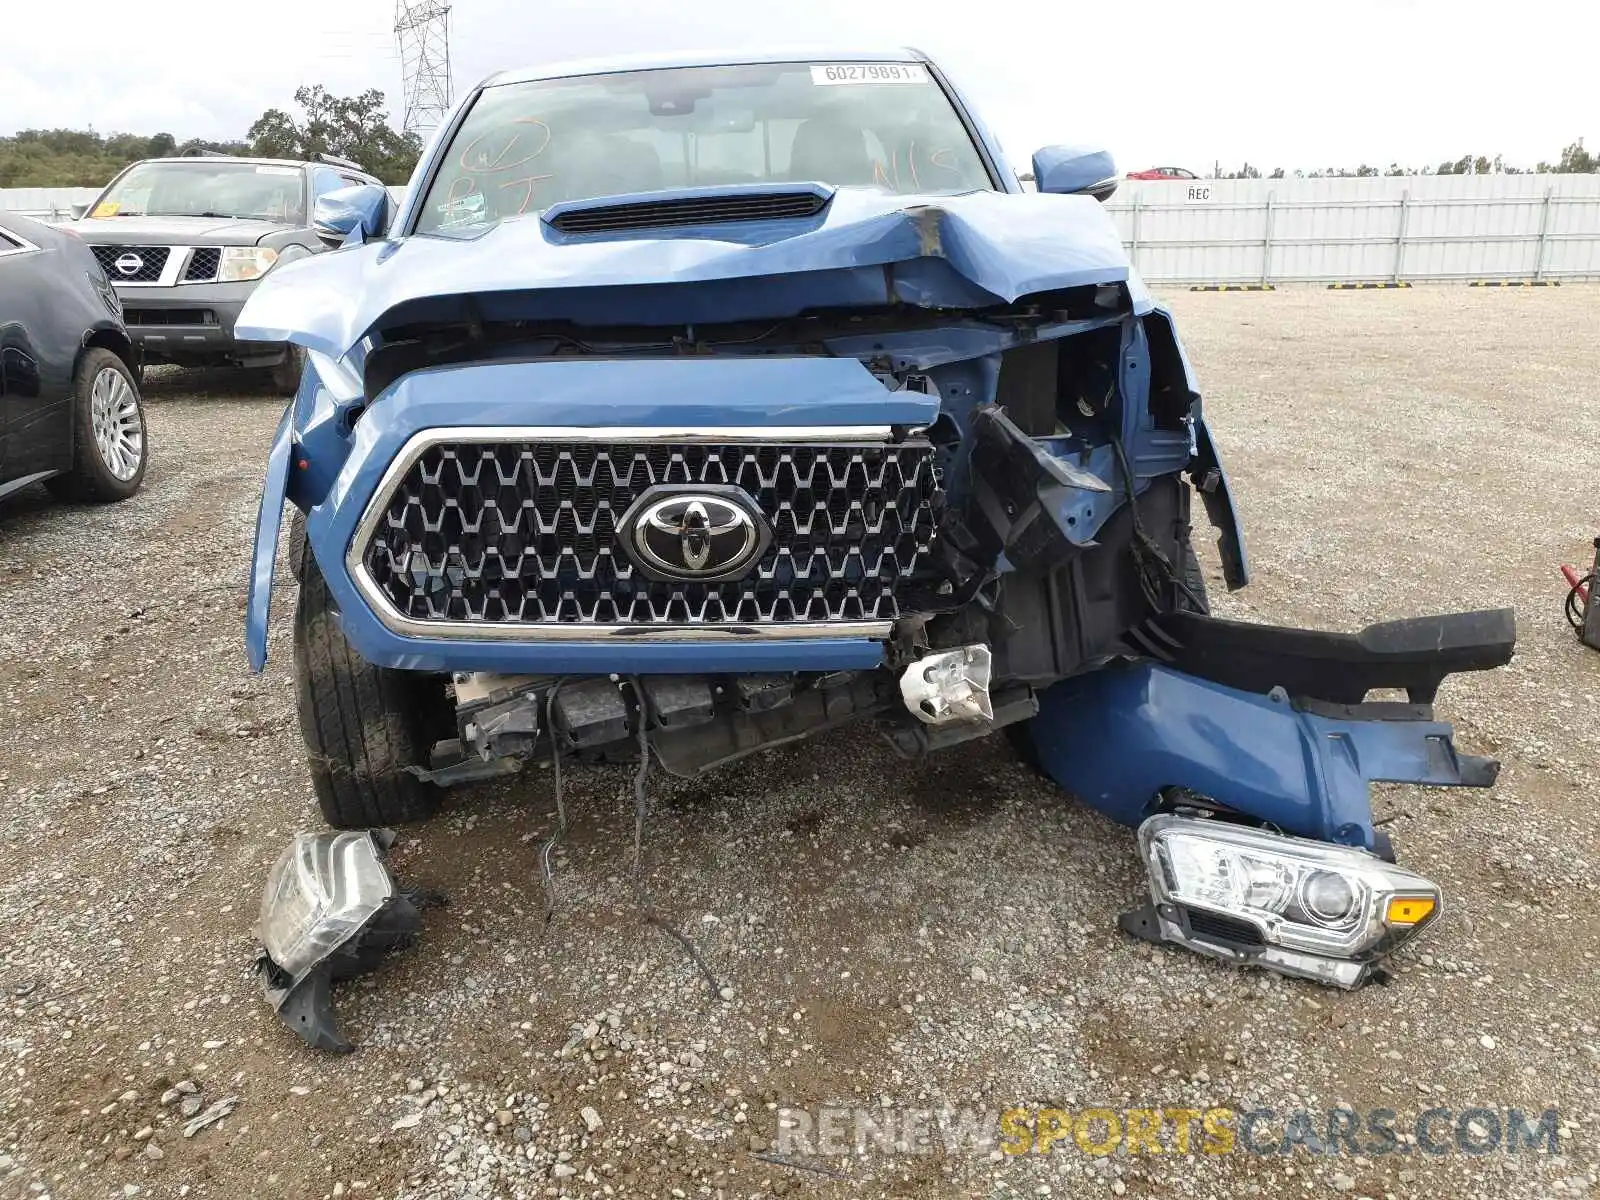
[
  {"x": 286, "y": 375},
  {"x": 109, "y": 446},
  {"x": 363, "y": 725}
]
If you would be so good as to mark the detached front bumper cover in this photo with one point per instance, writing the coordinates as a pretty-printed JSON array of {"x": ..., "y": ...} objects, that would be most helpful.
[
  {"x": 1270, "y": 723},
  {"x": 1245, "y": 753},
  {"x": 331, "y": 910}
]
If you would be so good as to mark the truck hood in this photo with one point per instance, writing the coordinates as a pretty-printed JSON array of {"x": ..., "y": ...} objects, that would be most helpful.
[
  {"x": 175, "y": 231},
  {"x": 866, "y": 248}
]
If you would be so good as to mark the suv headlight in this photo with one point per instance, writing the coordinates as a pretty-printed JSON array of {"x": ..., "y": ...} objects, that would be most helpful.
[
  {"x": 240, "y": 263},
  {"x": 1302, "y": 907}
]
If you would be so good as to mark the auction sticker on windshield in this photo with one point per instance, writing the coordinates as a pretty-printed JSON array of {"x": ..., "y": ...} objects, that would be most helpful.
[{"x": 869, "y": 73}]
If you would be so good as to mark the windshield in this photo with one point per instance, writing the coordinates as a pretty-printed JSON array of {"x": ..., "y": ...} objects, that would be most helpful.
[
  {"x": 206, "y": 188},
  {"x": 526, "y": 146}
]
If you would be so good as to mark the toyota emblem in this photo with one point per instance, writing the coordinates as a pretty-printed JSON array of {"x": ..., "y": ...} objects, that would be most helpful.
[
  {"x": 702, "y": 535},
  {"x": 129, "y": 264}
]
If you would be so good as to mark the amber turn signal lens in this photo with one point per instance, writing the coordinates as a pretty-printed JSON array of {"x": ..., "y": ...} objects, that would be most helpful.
[{"x": 1408, "y": 910}]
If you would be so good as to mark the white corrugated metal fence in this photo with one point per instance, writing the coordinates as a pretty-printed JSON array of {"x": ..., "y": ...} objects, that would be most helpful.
[
  {"x": 1385, "y": 229},
  {"x": 45, "y": 204}
]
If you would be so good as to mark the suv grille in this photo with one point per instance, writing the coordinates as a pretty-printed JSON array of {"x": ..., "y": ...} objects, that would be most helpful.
[
  {"x": 152, "y": 260},
  {"x": 202, "y": 264},
  {"x": 139, "y": 317},
  {"x": 697, "y": 210},
  {"x": 521, "y": 532}
]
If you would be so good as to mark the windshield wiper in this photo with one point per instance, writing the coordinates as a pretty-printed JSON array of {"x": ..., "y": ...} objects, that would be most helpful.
[{"x": 213, "y": 215}]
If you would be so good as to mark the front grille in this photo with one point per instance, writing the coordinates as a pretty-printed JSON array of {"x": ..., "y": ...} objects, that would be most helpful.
[
  {"x": 202, "y": 265},
  {"x": 152, "y": 261},
  {"x": 695, "y": 210},
  {"x": 168, "y": 316},
  {"x": 511, "y": 532}
]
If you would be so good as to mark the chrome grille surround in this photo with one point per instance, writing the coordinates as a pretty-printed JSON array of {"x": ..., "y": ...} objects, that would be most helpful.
[{"x": 853, "y": 514}]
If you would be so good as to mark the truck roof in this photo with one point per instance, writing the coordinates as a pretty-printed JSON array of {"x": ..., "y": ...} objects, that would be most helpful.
[{"x": 707, "y": 58}]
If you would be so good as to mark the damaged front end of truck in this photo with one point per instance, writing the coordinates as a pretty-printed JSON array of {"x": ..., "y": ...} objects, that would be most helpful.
[{"x": 929, "y": 465}]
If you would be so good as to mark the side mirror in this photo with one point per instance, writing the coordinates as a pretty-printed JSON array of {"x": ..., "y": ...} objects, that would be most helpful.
[
  {"x": 1076, "y": 170},
  {"x": 77, "y": 211},
  {"x": 351, "y": 215}
]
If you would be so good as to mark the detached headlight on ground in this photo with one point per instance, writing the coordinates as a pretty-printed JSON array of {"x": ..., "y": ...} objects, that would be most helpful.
[
  {"x": 321, "y": 892},
  {"x": 330, "y": 910},
  {"x": 1300, "y": 907},
  {"x": 240, "y": 263}
]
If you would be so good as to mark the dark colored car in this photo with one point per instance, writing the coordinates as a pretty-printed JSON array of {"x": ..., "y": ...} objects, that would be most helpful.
[
  {"x": 70, "y": 413},
  {"x": 186, "y": 240}
]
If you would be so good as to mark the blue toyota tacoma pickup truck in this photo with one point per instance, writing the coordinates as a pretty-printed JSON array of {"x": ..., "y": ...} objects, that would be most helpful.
[{"x": 708, "y": 404}]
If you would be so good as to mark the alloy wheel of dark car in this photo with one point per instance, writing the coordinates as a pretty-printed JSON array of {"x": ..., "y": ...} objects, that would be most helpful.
[{"x": 110, "y": 445}]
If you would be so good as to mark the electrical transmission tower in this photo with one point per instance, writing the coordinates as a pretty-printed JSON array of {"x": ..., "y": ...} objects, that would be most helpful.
[{"x": 422, "y": 30}]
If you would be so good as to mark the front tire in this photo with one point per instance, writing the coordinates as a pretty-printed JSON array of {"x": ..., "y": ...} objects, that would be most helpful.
[
  {"x": 363, "y": 725},
  {"x": 109, "y": 444},
  {"x": 286, "y": 375}
]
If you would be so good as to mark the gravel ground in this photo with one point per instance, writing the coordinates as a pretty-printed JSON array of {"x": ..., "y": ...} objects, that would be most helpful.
[{"x": 898, "y": 936}]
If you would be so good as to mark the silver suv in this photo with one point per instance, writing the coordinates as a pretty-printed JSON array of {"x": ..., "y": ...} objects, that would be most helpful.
[{"x": 185, "y": 240}]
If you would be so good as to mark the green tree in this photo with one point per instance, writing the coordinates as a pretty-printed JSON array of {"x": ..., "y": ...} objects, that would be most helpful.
[
  {"x": 353, "y": 127},
  {"x": 1575, "y": 160},
  {"x": 195, "y": 145},
  {"x": 73, "y": 157}
]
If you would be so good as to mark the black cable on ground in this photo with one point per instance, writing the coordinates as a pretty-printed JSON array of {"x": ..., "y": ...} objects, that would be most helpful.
[
  {"x": 561, "y": 804},
  {"x": 1575, "y": 601},
  {"x": 641, "y": 809}
]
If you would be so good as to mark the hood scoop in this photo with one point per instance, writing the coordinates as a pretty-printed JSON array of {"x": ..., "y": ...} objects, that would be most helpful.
[{"x": 696, "y": 206}]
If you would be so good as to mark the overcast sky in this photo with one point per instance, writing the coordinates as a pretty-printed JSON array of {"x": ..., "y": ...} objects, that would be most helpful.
[{"x": 1161, "y": 82}]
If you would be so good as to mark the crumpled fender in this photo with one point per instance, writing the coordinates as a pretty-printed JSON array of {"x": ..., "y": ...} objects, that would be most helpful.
[
  {"x": 269, "y": 519},
  {"x": 1211, "y": 478},
  {"x": 1116, "y": 738},
  {"x": 1205, "y": 463}
]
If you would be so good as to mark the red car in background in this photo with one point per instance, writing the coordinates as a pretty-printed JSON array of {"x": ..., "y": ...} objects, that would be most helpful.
[{"x": 1163, "y": 173}]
